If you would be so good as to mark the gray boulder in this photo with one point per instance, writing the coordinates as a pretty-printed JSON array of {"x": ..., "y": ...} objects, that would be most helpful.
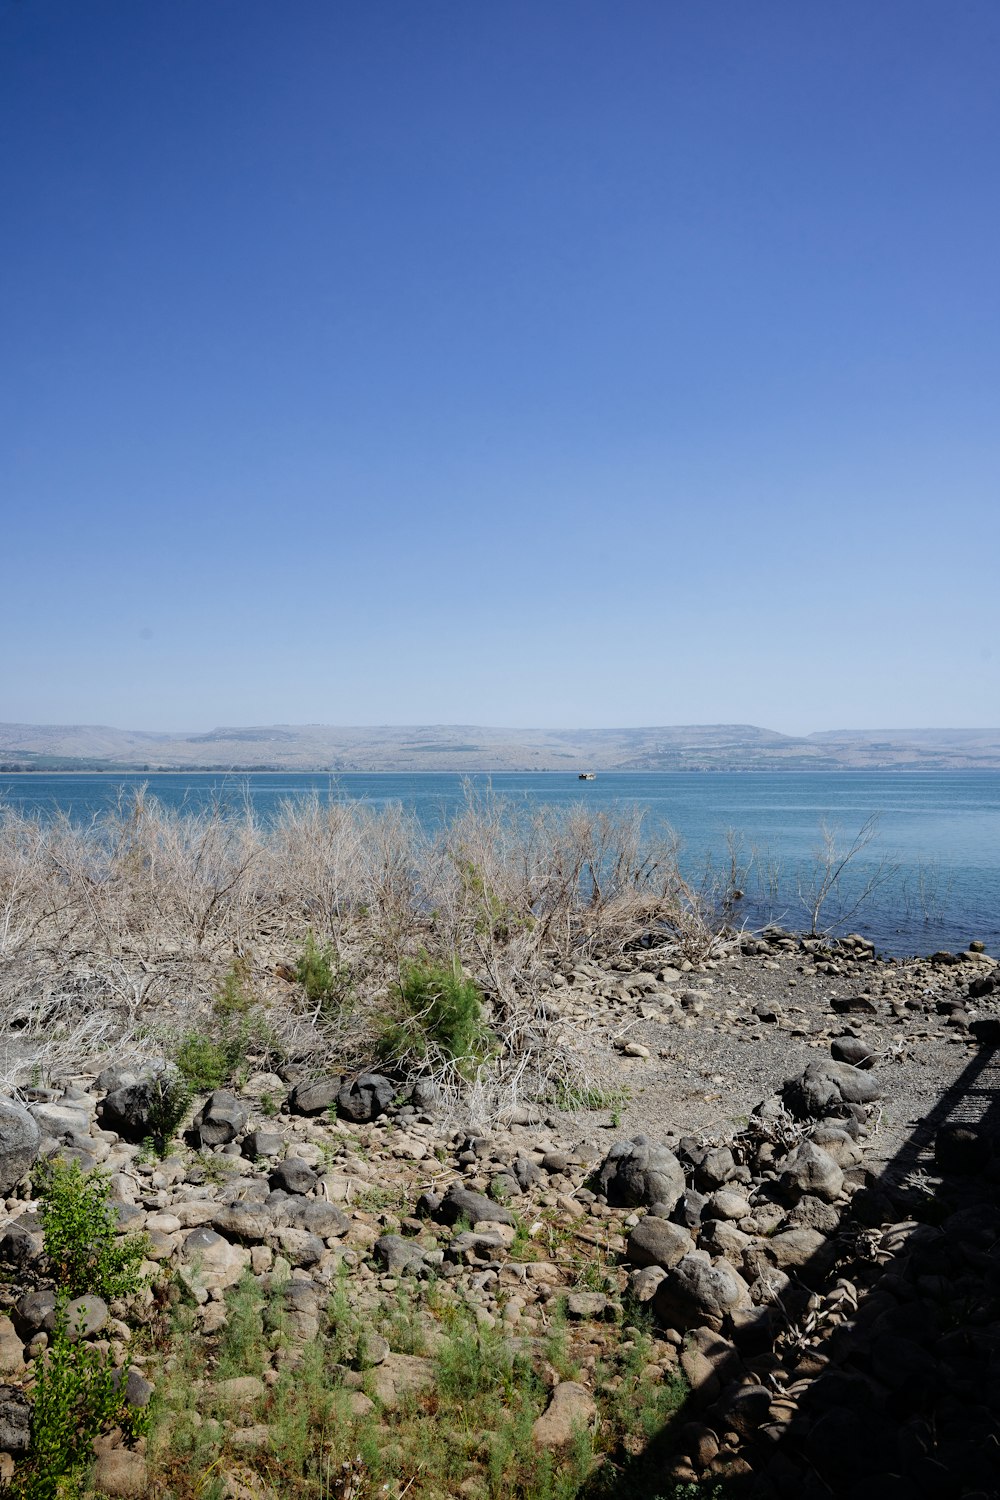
[
  {"x": 365, "y": 1097},
  {"x": 84, "y": 1316},
  {"x": 136, "y": 1110},
  {"x": 113, "y": 1077},
  {"x": 248, "y": 1223},
  {"x": 697, "y": 1294},
  {"x": 263, "y": 1142},
  {"x": 829, "y": 1088},
  {"x": 319, "y": 1217},
  {"x": 221, "y": 1119},
  {"x": 294, "y": 1176},
  {"x": 460, "y": 1202},
  {"x": 851, "y": 1049},
  {"x": 638, "y": 1173},
  {"x": 313, "y": 1098},
  {"x": 15, "y": 1421},
  {"x": 810, "y": 1169},
  {"x": 658, "y": 1242},
  {"x": 30, "y": 1313},
  {"x": 20, "y": 1138},
  {"x": 19, "y": 1246},
  {"x": 398, "y": 1256}
]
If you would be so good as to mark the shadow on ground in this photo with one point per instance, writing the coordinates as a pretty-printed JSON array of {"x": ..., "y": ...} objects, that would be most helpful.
[{"x": 882, "y": 1382}]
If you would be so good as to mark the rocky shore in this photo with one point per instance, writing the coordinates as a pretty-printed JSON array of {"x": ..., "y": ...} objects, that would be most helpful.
[{"x": 784, "y": 1193}]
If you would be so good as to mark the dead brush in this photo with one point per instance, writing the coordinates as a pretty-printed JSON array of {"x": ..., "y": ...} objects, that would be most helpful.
[{"x": 130, "y": 919}]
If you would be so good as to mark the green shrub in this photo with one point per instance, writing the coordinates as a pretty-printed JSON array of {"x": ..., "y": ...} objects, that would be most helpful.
[
  {"x": 203, "y": 1062},
  {"x": 326, "y": 981},
  {"x": 85, "y": 1252},
  {"x": 211, "y": 1059},
  {"x": 78, "y": 1394},
  {"x": 440, "y": 1012},
  {"x": 235, "y": 998},
  {"x": 169, "y": 1106}
]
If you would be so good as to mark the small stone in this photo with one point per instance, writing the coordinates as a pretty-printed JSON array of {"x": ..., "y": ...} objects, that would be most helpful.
[
  {"x": 241, "y": 1390},
  {"x": 585, "y": 1305},
  {"x": 121, "y": 1475},
  {"x": 571, "y": 1410},
  {"x": 658, "y": 1242}
]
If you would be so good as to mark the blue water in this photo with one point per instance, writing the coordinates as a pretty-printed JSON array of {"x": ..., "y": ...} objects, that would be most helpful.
[{"x": 942, "y": 830}]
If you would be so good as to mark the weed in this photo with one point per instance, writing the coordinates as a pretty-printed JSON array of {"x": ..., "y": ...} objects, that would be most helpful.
[
  {"x": 327, "y": 982},
  {"x": 241, "y": 1346},
  {"x": 208, "y": 1062},
  {"x": 78, "y": 1394},
  {"x": 557, "y": 1346},
  {"x": 571, "y": 1097},
  {"x": 80, "y": 1228},
  {"x": 235, "y": 997},
  {"x": 440, "y": 1015}
]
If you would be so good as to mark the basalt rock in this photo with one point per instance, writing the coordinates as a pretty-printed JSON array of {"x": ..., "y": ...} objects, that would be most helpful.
[
  {"x": 365, "y": 1097},
  {"x": 638, "y": 1173},
  {"x": 829, "y": 1088},
  {"x": 695, "y": 1293},
  {"x": 19, "y": 1141},
  {"x": 221, "y": 1119},
  {"x": 460, "y": 1202}
]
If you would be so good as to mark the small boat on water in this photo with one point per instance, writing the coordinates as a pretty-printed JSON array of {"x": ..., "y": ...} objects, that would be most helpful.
[{"x": 587, "y": 776}]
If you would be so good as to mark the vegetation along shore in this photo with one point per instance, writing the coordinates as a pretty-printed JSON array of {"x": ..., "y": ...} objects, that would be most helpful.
[{"x": 344, "y": 1160}]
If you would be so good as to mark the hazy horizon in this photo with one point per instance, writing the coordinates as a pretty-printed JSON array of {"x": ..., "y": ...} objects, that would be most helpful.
[
  {"x": 525, "y": 365},
  {"x": 259, "y": 723}
]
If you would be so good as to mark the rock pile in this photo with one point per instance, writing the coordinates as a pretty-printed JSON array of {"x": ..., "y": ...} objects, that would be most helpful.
[{"x": 821, "y": 1330}]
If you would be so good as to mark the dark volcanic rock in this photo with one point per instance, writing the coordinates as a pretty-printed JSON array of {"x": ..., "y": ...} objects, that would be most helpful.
[
  {"x": 15, "y": 1421},
  {"x": 851, "y": 1049},
  {"x": 459, "y": 1202},
  {"x": 365, "y": 1097},
  {"x": 829, "y": 1088},
  {"x": 313, "y": 1098},
  {"x": 294, "y": 1176},
  {"x": 221, "y": 1119},
  {"x": 658, "y": 1242},
  {"x": 638, "y": 1173},
  {"x": 135, "y": 1110},
  {"x": 19, "y": 1141},
  {"x": 696, "y": 1294},
  {"x": 962, "y": 1148}
]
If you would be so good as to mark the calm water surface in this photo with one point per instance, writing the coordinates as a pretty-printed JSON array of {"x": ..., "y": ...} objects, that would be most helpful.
[{"x": 941, "y": 830}]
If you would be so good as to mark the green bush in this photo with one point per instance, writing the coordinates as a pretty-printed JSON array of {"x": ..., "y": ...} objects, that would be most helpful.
[
  {"x": 440, "y": 1012},
  {"x": 235, "y": 998},
  {"x": 168, "y": 1108},
  {"x": 85, "y": 1252},
  {"x": 203, "y": 1063},
  {"x": 326, "y": 981},
  {"x": 210, "y": 1059},
  {"x": 78, "y": 1394}
]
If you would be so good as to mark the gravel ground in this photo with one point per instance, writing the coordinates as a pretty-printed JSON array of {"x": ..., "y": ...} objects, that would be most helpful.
[{"x": 722, "y": 1037}]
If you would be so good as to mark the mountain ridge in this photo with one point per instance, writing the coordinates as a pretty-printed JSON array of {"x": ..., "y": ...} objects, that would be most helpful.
[{"x": 478, "y": 748}]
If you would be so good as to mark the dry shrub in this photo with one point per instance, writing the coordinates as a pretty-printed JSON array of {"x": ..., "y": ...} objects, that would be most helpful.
[{"x": 109, "y": 928}]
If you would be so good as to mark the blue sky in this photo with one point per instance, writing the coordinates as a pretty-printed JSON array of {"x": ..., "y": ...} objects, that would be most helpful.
[{"x": 528, "y": 363}]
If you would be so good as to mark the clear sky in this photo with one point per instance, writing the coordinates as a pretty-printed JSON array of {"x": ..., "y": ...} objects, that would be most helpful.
[{"x": 535, "y": 362}]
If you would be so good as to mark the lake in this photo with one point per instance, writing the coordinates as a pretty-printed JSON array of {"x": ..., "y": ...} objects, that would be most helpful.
[{"x": 940, "y": 831}]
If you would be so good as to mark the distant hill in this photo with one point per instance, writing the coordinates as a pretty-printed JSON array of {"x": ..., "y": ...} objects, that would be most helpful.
[{"x": 471, "y": 747}]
